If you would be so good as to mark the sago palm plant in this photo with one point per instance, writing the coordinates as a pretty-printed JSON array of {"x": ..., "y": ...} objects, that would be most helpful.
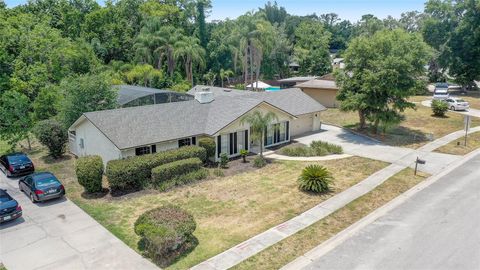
[{"x": 315, "y": 178}]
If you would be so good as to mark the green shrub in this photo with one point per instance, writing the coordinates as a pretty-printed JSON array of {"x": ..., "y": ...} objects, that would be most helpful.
[
  {"x": 296, "y": 151},
  {"x": 51, "y": 134},
  {"x": 170, "y": 170},
  {"x": 166, "y": 233},
  {"x": 209, "y": 145},
  {"x": 223, "y": 160},
  {"x": 244, "y": 154},
  {"x": 192, "y": 176},
  {"x": 324, "y": 148},
  {"x": 316, "y": 148},
  {"x": 259, "y": 162},
  {"x": 439, "y": 107},
  {"x": 136, "y": 171},
  {"x": 315, "y": 178},
  {"x": 89, "y": 172}
]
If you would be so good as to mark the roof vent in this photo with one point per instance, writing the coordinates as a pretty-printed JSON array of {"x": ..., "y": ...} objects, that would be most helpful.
[{"x": 204, "y": 96}]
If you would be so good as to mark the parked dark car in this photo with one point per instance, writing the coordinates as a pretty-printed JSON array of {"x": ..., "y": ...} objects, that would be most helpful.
[
  {"x": 9, "y": 208},
  {"x": 16, "y": 164},
  {"x": 41, "y": 186}
]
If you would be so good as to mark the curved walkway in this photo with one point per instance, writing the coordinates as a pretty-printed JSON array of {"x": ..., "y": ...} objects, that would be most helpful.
[
  {"x": 402, "y": 159},
  {"x": 318, "y": 158}
]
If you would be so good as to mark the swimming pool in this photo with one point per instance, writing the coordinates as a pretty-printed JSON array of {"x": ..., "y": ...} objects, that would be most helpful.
[{"x": 273, "y": 88}]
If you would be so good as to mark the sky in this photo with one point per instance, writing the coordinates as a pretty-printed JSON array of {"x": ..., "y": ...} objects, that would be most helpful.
[{"x": 347, "y": 9}]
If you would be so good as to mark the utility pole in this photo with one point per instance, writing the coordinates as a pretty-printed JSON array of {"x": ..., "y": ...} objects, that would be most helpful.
[{"x": 467, "y": 122}]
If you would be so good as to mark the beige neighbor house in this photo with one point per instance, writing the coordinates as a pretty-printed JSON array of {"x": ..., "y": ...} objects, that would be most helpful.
[
  {"x": 215, "y": 112},
  {"x": 322, "y": 90}
]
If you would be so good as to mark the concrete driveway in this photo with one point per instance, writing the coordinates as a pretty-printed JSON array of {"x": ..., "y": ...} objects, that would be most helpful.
[
  {"x": 436, "y": 228},
  {"x": 471, "y": 111},
  {"x": 59, "y": 235},
  {"x": 357, "y": 145}
]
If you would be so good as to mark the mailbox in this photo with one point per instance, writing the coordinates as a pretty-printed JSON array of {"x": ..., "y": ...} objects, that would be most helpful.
[{"x": 418, "y": 161}]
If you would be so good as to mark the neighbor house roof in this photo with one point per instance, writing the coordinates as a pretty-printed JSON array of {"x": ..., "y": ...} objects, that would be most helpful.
[
  {"x": 143, "y": 125},
  {"x": 298, "y": 79},
  {"x": 320, "y": 84}
]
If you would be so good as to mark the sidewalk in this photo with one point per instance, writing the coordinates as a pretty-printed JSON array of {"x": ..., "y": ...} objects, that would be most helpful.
[
  {"x": 59, "y": 235},
  {"x": 254, "y": 245}
]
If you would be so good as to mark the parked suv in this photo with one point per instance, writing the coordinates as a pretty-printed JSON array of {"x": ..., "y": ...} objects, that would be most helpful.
[
  {"x": 441, "y": 91},
  {"x": 41, "y": 186},
  {"x": 16, "y": 164},
  {"x": 456, "y": 104},
  {"x": 9, "y": 208}
]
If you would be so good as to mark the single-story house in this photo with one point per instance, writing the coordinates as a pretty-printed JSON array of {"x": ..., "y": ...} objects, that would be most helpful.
[
  {"x": 215, "y": 112},
  {"x": 322, "y": 90},
  {"x": 292, "y": 81},
  {"x": 338, "y": 63},
  {"x": 133, "y": 95}
]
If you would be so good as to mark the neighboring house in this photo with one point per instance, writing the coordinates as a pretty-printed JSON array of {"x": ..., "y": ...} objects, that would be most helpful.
[
  {"x": 215, "y": 112},
  {"x": 322, "y": 90},
  {"x": 131, "y": 95},
  {"x": 291, "y": 82}
]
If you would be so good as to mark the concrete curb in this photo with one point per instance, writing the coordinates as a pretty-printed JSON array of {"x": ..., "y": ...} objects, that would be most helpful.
[{"x": 339, "y": 238}]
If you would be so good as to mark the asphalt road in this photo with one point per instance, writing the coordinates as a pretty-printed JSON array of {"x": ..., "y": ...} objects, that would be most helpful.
[{"x": 437, "y": 228}]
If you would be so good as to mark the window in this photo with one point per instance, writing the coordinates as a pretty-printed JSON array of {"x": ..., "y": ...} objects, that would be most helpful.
[
  {"x": 277, "y": 133},
  {"x": 225, "y": 143},
  {"x": 142, "y": 150},
  {"x": 184, "y": 142},
  {"x": 81, "y": 143}
]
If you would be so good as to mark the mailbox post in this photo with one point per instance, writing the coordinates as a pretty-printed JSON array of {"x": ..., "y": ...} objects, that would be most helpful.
[{"x": 418, "y": 161}]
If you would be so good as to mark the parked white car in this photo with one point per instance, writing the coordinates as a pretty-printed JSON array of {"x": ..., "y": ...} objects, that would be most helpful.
[
  {"x": 441, "y": 91},
  {"x": 457, "y": 104}
]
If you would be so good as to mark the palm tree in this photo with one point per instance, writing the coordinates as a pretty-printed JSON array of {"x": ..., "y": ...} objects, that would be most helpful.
[
  {"x": 258, "y": 124},
  {"x": 167, "y": 37},
  {"x": 192, "y": 53},
  {"x": 225, "y": 74}
]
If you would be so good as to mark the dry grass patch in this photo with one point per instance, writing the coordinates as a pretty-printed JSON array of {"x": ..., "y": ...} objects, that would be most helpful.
[
  {"x": 419, "y": 127},
  {"x": 458, "y": 147},
  {"x": 228, "y": 210},
  {"x": 312, "y": 236}
]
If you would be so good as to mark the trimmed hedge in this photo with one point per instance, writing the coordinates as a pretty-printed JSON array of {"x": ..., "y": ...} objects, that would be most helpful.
[
  {"x": 135, "y": 172},
  {"x": 89, "y": 172},
  {"x": 170, "y": 170},
  {"x": 166, "y": 233},
  {"x": 209, "y": 145},
  {"x": 192, "y": 176}
]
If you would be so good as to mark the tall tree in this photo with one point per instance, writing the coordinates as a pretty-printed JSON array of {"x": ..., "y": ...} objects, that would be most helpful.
[
  {"x": 202, "y": 28},
  {"x": 15, "y": 117},
  {"x": 380, "y": 73},
  {"x": 274, "y": 13},
  {"x": 311, "y": 48},
  {"x": 192, "y": 53},
  {"x": 85, "y": 93}
]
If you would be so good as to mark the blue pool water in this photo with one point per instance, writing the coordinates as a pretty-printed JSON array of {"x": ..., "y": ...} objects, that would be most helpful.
[{"x": 273, "y": 88}]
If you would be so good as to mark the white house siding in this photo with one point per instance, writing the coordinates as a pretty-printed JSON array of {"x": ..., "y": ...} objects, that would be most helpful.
[
  {"x": 95, "y": 143},
  {"x": 305, "y": 123},
  {"x": 163, "y": 146},
  {"x": 237, "y": 125}
]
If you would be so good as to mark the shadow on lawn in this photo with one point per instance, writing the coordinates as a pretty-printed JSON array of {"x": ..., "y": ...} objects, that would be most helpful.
[{"x": 396, "y": 136}]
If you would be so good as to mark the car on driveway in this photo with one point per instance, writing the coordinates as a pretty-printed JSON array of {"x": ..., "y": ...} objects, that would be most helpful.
[
  {"x": 41, "y": 186},
  {"x": 9, "y": 208},
  {"x": 16, "y": 164},
  {"x": 457, "y": 104},
  {"x": 441, "y": 91}
]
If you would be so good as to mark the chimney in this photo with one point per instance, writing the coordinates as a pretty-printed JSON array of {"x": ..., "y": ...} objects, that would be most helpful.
[{"x": 204, "y": 95}]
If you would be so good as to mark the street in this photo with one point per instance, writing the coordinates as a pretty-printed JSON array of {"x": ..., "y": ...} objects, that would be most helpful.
[{"x": 437, "y": 228}]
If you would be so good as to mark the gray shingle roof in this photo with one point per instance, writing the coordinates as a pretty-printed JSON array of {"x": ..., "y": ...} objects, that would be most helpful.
[
  {"x": 321, "y": 84},
  {"x": 143, "y": 125}
]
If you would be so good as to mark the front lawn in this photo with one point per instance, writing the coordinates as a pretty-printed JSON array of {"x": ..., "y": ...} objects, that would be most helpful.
[
  {"x": 228, "y": 210},
  {"x": 312, "y": 236},
  {"x": 458, "y": 147},
  {"x": 419, "y": 127}
]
